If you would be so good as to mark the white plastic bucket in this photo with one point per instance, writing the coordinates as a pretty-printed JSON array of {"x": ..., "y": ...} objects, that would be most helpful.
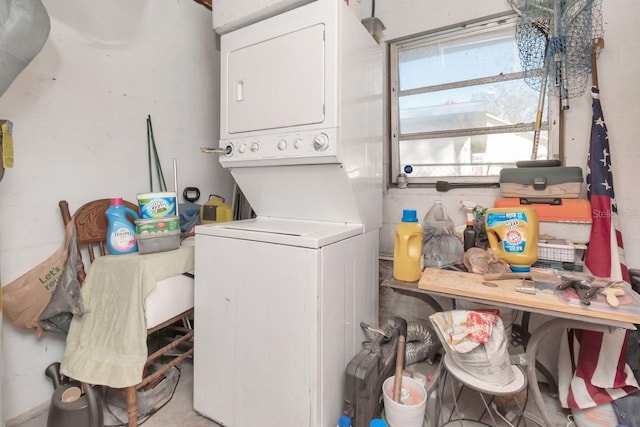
[{"x": 405, "y": 415}]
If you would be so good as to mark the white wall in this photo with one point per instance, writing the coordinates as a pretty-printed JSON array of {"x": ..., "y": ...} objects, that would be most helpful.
[
  {"x": 618, "y": 67},
  {"x": 79, "y": 112}
]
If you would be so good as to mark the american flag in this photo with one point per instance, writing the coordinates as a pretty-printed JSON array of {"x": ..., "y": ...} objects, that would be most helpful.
[
  {"x": 591, "y": 367},
  {"x": 605, "y": 257}
]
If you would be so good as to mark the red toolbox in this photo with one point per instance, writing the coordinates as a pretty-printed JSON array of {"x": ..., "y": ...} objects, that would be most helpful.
[{"x": 551, "y": 209}]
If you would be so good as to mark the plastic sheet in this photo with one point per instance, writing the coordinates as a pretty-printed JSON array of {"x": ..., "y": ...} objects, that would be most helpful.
[
  {"x": 24, "y": 29},
  {"x": 66, "y": 300}
]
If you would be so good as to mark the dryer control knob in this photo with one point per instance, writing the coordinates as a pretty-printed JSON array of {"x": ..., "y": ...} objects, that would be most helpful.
[
  {"x": 282, "y": 145},
  {"x": 297, "y": 143},
  {"x": 321, "y": 142},
  {"x": 254, "y": 147},
  {"x": 242, "y": 148}
]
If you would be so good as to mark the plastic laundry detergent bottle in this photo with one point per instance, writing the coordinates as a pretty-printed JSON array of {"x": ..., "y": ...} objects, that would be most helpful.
[
  {"x": 121, "y": 234},
  {"x": 513, "y": 235},
  {"x": 407, "y": 251}
]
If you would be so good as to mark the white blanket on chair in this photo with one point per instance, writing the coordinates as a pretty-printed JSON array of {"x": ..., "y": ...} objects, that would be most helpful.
[{"x": 108, "y": 344}]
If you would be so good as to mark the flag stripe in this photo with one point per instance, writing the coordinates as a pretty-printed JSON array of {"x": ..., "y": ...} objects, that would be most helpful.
[
  {"x": 598, "y": 373},
  {"x": 598, "y": 257}
]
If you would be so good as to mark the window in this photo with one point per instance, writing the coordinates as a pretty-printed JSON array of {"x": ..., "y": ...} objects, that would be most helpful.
[{"x": 460, "y": 106}]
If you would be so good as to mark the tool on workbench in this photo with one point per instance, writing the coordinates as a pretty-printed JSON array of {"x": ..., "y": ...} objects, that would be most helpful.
[
  {"x": 612, "y": 293},
  {"x": 506, "y": 276},
  {"x": 490, "y": 284},
  {"x": 582, "y": 286},
  {"x": 527, "y": 287}
]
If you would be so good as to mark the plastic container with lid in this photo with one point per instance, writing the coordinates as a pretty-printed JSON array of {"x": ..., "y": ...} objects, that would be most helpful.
[
  {"x": 407, "y": 251},
  {"x": 215, "y": 210},
  {"x": 121, "y": 233},
  {"x": 158, "y": 242},
  {"x": 344, "y": 421},
  {"x": 157, "y": 205},
  {"x": 157, "y": 225}
]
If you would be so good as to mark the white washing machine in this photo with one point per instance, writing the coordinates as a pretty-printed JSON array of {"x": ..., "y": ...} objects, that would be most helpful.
[
  {"x": 279, "y": 298},
  {"x": 278, "y": 319}
]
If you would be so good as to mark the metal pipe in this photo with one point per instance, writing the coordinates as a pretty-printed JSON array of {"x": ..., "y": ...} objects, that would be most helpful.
[{"x": 208, "y": 150}]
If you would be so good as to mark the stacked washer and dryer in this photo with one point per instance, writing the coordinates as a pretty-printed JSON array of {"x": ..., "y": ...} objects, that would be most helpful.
[{"x": 279, "y": 298}]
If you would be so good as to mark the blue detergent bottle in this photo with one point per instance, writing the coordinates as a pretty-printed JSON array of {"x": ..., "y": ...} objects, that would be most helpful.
[{"x": 121, "y": 234}]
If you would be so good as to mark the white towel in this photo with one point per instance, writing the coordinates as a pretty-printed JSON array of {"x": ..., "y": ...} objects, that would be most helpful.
[{"x": 108, "y": 344}]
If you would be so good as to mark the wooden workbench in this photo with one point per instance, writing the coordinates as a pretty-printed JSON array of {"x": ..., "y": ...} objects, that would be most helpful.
[{"x": 468, "y": 286}]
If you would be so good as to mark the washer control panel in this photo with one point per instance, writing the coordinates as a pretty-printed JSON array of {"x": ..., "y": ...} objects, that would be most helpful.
[{"x": 313, "y": 146}]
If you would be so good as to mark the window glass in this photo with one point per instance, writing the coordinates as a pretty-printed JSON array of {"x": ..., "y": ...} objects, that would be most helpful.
[{"x": 460, "y": 106}]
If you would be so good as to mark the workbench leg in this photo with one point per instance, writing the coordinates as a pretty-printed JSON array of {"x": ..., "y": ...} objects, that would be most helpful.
[{"x": 532, "y": 351}]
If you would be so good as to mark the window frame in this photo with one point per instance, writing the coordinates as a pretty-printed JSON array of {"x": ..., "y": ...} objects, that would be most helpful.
[{"x": 452, "y": 32}]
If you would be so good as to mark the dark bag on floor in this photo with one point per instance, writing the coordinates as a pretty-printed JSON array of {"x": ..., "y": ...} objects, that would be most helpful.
[{"x": 367, "y": 371}]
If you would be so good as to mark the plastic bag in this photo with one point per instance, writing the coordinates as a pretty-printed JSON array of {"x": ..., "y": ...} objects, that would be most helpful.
[
  {"x": 477, "y": 342},
  {"x": 436, "y": 222},
  {"x": 66, "y": 300},
  {"x": 441, "y": 244},
  {"x": 189, "y": 218},
  {"x": 26, "y": 297},
  {"x": 24, "y": 27},
  {"x": 443, "y": 250},
  {"x": 482, "y": 261}
]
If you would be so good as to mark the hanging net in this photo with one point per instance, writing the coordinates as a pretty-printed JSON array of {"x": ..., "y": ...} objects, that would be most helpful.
[{"x": 561, "y": 33}]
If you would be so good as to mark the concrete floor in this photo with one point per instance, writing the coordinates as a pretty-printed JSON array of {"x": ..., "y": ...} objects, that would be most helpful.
[{"x": 179, "y": 410}]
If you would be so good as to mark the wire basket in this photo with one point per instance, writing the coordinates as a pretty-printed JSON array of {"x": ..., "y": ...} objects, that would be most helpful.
[{"x": 556, "y": 250}]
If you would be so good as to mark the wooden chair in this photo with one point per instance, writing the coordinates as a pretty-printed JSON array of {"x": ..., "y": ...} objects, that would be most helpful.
[{"x": 91, "y": 232}]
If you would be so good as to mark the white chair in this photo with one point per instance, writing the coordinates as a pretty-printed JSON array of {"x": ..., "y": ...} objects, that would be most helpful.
[
  {"x": 455, "y": 373},
  {"x": 489, "y": 362}
]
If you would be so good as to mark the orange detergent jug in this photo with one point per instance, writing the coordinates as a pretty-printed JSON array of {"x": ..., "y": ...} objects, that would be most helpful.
[{"x": 513, "y": 235}]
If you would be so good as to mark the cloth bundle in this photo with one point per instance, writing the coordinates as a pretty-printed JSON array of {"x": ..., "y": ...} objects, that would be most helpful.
[{"x": 477, "y": 342}]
